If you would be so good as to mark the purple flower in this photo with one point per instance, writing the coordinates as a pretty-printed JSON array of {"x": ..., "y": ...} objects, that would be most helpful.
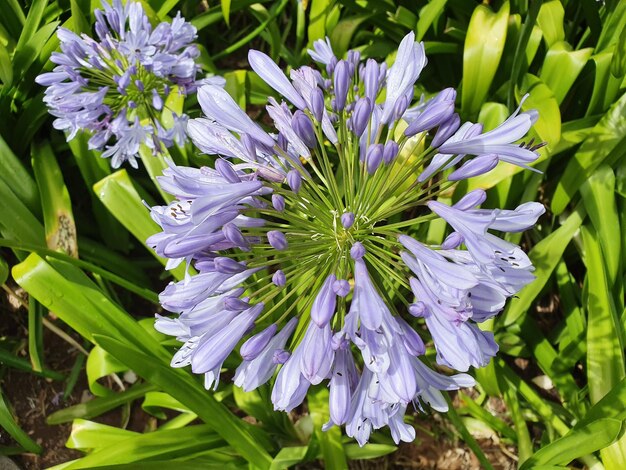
[
  {"x": 402, "y": 75},
  {"x": 296, "y": 216},
  {"x": 347, "y": 219},
  {"x": 267, "y": 69},
  {"x": 323, "y": 307},
  {"x": 108, "y": 87},
  {"x": 256, "y": 370},
  {"x": 322, "y": 52}
]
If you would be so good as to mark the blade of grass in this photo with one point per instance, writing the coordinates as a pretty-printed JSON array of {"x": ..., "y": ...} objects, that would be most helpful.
[
  {"x": 120, "y": 197},
  {"x": 60, "y": 229},
  {"x": 98, "y": 406},
  {"x": 7, "y": 422}
]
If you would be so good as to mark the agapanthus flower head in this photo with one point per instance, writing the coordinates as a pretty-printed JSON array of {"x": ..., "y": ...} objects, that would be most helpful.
[
  {"x": 304, "y": 240},
  {"x": 116, "y": 86}
]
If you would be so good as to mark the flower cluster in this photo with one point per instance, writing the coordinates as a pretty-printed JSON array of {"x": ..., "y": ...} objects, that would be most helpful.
[
  {"x": 307, "y": 238},
  {"x": 116, "y": 86}
]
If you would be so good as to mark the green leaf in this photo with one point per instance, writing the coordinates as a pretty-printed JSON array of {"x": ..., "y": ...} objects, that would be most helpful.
[
  {"x": 614, "y": 22},
  {"x": 612, "y": 405},
  {"x": 368, "y": 451},
  {"x": 605, "y": 142},
  {"x": 492, "y": 115},
  {"x": 484, "y": 44},
  {"x": 598, "y": 194},
  {"x": 341, "y": 35},
  {"x": 525, "y": 49},
  {"x": 26, "y": 56},
  {"x": 329, "y": 441},
  {"x": 288, "y": 456},
  {"x": 6, "y": 68},
  {"x": 318, "y": 12},
  {"x": 10, "y": 360},
  {"x": 466, "y": 436},
  {"x": 97, "y": 406},
  {"x": 170, "y": 444},
  {"x": 35, "y": 334},
  {"x": 120, "y": 197},
  {"x": 35, "y": 14},
  {"x": 101, "y": 364},
  {"x": 59, "y": 223},
  {"x": 66, "y": 290},
  {"x": 618, "y": 63},
  {"x": 550, "y": 20},
  {"x": 605, "y": 86},
  {"x": 511, "y": 398},
  {"x": 182, "y": 387},
  {"x": 485, "y": 416},
  {"x": 18, "y": 179},
  {"x": 96, "y": 269},
  {"x": 577, "y": 443},
  {"x": 562, "y": 66},
  {"x": 93, "y": 168},
  {"x": 548, "y": 126},
  {"x": 545, "y": 255},
  {"x": 226, "y": 10},
  {"x": 79, "y": 22},
  {"x": 89, "y": 435},
  {"x": 605, "y": 360},
  {"x": 4, "y": 270},
  {"x": 427, "y": 16},
  {"x": 18, "y": 222}
]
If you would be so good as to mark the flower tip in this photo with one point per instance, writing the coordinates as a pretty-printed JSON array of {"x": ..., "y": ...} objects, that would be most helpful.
[
  {"x": 294, "y": 180},
  {"x": 341, "y": 287},
  {"x": 279, "y": 279},
  {"x": 277, "y": 239},
  {"x": 347, "y": 220},
  {"x": 357, "y": 251}
]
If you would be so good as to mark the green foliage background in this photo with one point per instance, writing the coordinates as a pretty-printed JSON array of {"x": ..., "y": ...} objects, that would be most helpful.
[{"x": 73, "y": 230}]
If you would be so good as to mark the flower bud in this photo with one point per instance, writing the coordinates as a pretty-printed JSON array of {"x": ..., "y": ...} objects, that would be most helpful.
[
  {"x": 236, "y": 304},
  {"x": 280, "y": 356},
  {"x": 255, "y": 344},
  {"x": 361, "y": 116},
  {"x": 347, "y": 219},
  {"x": 446, "y": 130},
  {"x": 157, "y": 101},
  {"x": 357, "y": 251},
  {"x": 250, "y": 146},
  {"x": 438, "y": 110},
  {"x": 341, "y": 287},
  {"x": 226, "y": 170},
  {"x": 374, "y": 157},
  {"x": 390, "y": 152},
  {"x": 470, "y": 200},
  {"x": 341, "y": 81},
  {"x": 234, "y": 235},
  {"x": 277, "y": 239},
  {"x": 278, "y": 202},
  {"x": 418, "y": 309},
  {"x": 323, "y": 307},
  {"x": 371, "y": 79},
  {"x": 317, "y": 104},
  {"x": 475, "y": 167},
  {"x": 294, "y": 180},
  {"x": 303, "y": 127},
  {"x": 227, "y": 265},
  {"x": 452, "y": 241},
  {"x": 279, "y": 279}
]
